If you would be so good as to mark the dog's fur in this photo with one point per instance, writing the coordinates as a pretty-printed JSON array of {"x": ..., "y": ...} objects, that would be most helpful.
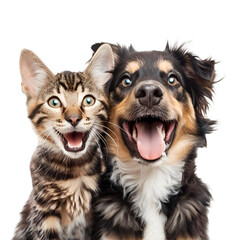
[{"x": 143, "y": 198}]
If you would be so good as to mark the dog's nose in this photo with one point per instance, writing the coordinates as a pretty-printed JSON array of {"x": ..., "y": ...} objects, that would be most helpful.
[{"x": 149, "y": 95}]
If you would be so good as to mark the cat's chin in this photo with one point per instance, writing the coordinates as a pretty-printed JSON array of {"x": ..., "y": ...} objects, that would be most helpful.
[{"x": 74, "y": 155}]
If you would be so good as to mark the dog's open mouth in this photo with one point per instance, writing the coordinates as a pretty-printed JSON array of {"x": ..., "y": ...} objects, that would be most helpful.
[
  {"x": 74, "y": 141},
  {"x": 149, "y": 136}
]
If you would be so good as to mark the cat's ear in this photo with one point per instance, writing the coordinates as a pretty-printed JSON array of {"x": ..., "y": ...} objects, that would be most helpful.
[
  {"x": 101, "y": 65},
  {"x": 34, "y": 73}
]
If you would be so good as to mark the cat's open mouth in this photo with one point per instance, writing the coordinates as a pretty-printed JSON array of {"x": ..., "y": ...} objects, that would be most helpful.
[{"x": 74, "y": 141}]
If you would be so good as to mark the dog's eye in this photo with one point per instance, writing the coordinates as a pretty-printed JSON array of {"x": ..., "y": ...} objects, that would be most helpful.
[
  {"x": 126, "y": 82},
  {"x": 172, "y": 80}
]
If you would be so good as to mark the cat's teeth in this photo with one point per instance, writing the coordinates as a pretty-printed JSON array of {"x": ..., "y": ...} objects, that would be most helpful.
[{"x": 70, "y": 146}]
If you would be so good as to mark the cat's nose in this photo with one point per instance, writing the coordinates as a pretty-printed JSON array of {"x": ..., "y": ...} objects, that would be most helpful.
[{"x": 74, "y": 120}]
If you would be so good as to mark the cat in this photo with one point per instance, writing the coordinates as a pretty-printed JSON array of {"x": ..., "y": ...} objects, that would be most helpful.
[{"x": 68, "y": 112}]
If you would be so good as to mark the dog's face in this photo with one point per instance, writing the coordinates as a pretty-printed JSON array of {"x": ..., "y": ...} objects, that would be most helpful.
[{"x": 158, "y": 101}]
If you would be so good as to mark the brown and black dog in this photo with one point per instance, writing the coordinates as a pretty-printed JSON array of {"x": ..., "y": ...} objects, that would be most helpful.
[{"x": 157, "y": 121}]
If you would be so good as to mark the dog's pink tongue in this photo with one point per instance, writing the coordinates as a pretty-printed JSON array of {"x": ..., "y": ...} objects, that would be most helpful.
[{"x": 150, "y": 139}]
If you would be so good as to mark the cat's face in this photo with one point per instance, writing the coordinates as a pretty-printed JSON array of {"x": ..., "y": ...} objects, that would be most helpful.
[
  {"x": 68, "y": 110},
  {"x": 71, "y": 114}
]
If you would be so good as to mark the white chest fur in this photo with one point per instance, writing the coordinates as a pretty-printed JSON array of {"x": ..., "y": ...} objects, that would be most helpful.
[{"x": 148, "y": 185}]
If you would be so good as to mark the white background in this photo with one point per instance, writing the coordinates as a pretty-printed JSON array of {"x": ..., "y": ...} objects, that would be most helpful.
[{"x": 61, "y": 33}]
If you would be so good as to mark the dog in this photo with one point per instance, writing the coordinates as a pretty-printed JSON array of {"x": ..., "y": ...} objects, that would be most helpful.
[{"x": 158, "y": 104}]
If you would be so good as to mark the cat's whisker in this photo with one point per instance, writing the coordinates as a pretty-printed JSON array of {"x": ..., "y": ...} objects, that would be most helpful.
[
  {"x": 95, "y": 136},
  {"x": 114, "y": 124},
  {"x": 45, "y": 139},
  {"x": 99, "y": 135},
  {"x": 44, "y": 131},
  {"x": 101, "y": 125},
  {"x": 116, "y": 145}
]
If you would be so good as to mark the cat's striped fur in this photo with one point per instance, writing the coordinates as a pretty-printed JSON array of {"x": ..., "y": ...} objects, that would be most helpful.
[{"x": 68, "y": 111}]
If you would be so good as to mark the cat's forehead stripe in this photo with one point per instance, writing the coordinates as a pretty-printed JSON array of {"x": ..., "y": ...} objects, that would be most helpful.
[{"x": 70, "y": 80}]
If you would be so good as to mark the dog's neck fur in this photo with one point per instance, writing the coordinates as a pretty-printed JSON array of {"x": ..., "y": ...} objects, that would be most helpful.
[{"x": 147, "y": 186}]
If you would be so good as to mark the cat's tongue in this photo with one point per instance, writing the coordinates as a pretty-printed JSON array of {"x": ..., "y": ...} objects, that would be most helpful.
[
  {"x": 74, "y": 139},
  {"x": 149, "y": 138}
]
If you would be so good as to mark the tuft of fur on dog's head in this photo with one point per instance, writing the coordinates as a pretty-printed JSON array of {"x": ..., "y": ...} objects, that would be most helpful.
[{"x": 159, "y": 100}]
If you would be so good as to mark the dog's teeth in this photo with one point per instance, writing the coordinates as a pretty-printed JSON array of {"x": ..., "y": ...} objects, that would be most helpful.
[
  {"x": 161, "y": 130},
  {"x": 134, "y": 134},
  {"x": 164, "y": 155}
]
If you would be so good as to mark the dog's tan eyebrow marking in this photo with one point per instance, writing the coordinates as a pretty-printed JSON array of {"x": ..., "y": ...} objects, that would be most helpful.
[
  {"x": 164, "y": 65},
  {"x": 132, "y": 67}
]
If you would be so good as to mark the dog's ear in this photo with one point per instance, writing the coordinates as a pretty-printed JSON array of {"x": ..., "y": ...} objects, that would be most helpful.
[
  {"x": 115, "y": 49},
  {"x": 199, "y": 78},
  {"x": 96, "y": 46},
  {"x": 201, "y": 74},
  {"x": 118, "y": 50}
]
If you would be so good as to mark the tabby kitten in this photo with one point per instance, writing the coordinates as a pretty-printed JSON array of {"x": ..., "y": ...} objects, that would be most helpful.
[{"x": 67, "y": 111}]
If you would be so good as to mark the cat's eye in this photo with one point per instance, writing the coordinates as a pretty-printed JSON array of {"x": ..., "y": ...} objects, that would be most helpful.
[
  {"x": 172, "y": 80},
  {"x": 54, "y": 102},
  {"x": 126, "y": 82},
  {"x": 88, "y": 101}
]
